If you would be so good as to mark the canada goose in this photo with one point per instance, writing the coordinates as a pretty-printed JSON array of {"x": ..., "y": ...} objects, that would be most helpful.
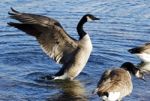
[
  {"x": 143, "y": 52},
  {"x": 144, "y": 67},
  {"x": 116, "y": 83},
  {"x": 56, "y": 43}
]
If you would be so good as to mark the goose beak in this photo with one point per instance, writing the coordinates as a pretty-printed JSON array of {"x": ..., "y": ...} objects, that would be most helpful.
[{"x": 96, "y": 18}]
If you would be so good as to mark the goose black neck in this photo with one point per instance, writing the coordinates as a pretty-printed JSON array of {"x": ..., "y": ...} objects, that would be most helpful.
[
  {"x": 80, "y": 30},
  {"x": 132, "y": 70},
  {"x": 129, "y": 67}
]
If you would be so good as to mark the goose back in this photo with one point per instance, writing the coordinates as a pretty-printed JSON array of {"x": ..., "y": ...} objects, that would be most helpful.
[{"x": 115, "y": 81}]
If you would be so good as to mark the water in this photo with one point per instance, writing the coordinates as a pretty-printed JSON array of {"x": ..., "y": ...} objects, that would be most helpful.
[{"x": 124, "y": 24}]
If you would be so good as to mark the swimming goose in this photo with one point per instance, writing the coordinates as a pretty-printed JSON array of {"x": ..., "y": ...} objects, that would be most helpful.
[
  {"x": 56, "y": 43},
  {"x": 116, "y": 83},
  {"x": 144, "y": 67},
  {"x": 143, "y": 52}
]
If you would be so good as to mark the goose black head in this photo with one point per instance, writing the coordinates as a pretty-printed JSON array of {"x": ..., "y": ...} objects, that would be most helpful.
[
  {"x": 140, "y": 49},
  {"x": 136, "y": 50},
  {"x": 133, "y": 70},
  {"x": 84, "y": 19},
  {"x": 90, "y": 17}
]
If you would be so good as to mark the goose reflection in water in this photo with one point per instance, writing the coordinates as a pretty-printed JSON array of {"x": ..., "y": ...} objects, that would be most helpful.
[{"x": 70, "y": 91}]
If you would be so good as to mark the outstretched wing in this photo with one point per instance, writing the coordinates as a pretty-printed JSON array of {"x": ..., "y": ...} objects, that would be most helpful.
[{"x": 54, "y": 41}]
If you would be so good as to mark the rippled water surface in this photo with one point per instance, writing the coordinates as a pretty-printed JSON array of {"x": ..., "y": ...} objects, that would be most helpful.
[{"x": 124, "y": 24}]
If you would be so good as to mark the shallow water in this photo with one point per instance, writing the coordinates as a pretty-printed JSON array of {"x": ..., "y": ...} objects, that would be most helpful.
[{"x": 124, "y": 24}]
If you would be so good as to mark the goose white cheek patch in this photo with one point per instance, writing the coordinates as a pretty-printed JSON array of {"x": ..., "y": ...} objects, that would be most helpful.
[
  {"x": 113, "y": 96},
  {"x": 89, "y": 19},
  {"x": 144, "y": 56}
]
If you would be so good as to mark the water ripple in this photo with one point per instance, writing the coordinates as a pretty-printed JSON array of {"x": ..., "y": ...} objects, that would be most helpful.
[{"x": 123, "y": 25}]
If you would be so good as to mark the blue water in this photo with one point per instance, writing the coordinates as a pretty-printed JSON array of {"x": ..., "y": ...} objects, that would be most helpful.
[{"x": 124, "y": 24}]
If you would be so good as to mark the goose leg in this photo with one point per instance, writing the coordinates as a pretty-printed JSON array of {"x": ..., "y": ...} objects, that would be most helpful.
[{"x": 48, "y": 77}]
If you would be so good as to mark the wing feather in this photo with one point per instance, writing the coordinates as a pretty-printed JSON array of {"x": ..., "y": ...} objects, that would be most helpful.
[
  {"x": 110, "y": 81},
  {"x": 55, "y": 42}
]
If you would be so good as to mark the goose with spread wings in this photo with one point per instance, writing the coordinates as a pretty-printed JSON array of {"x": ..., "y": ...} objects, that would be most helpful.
[{"x": 56, "y": 43}]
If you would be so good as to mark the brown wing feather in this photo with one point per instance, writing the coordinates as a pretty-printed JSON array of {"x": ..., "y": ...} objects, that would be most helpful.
[
  {"x": 113, "y": 81},
  {"x": 55, "y": 42},
  {"x": 33, "y": 18},
  {"x": 58, "y": 46}
]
